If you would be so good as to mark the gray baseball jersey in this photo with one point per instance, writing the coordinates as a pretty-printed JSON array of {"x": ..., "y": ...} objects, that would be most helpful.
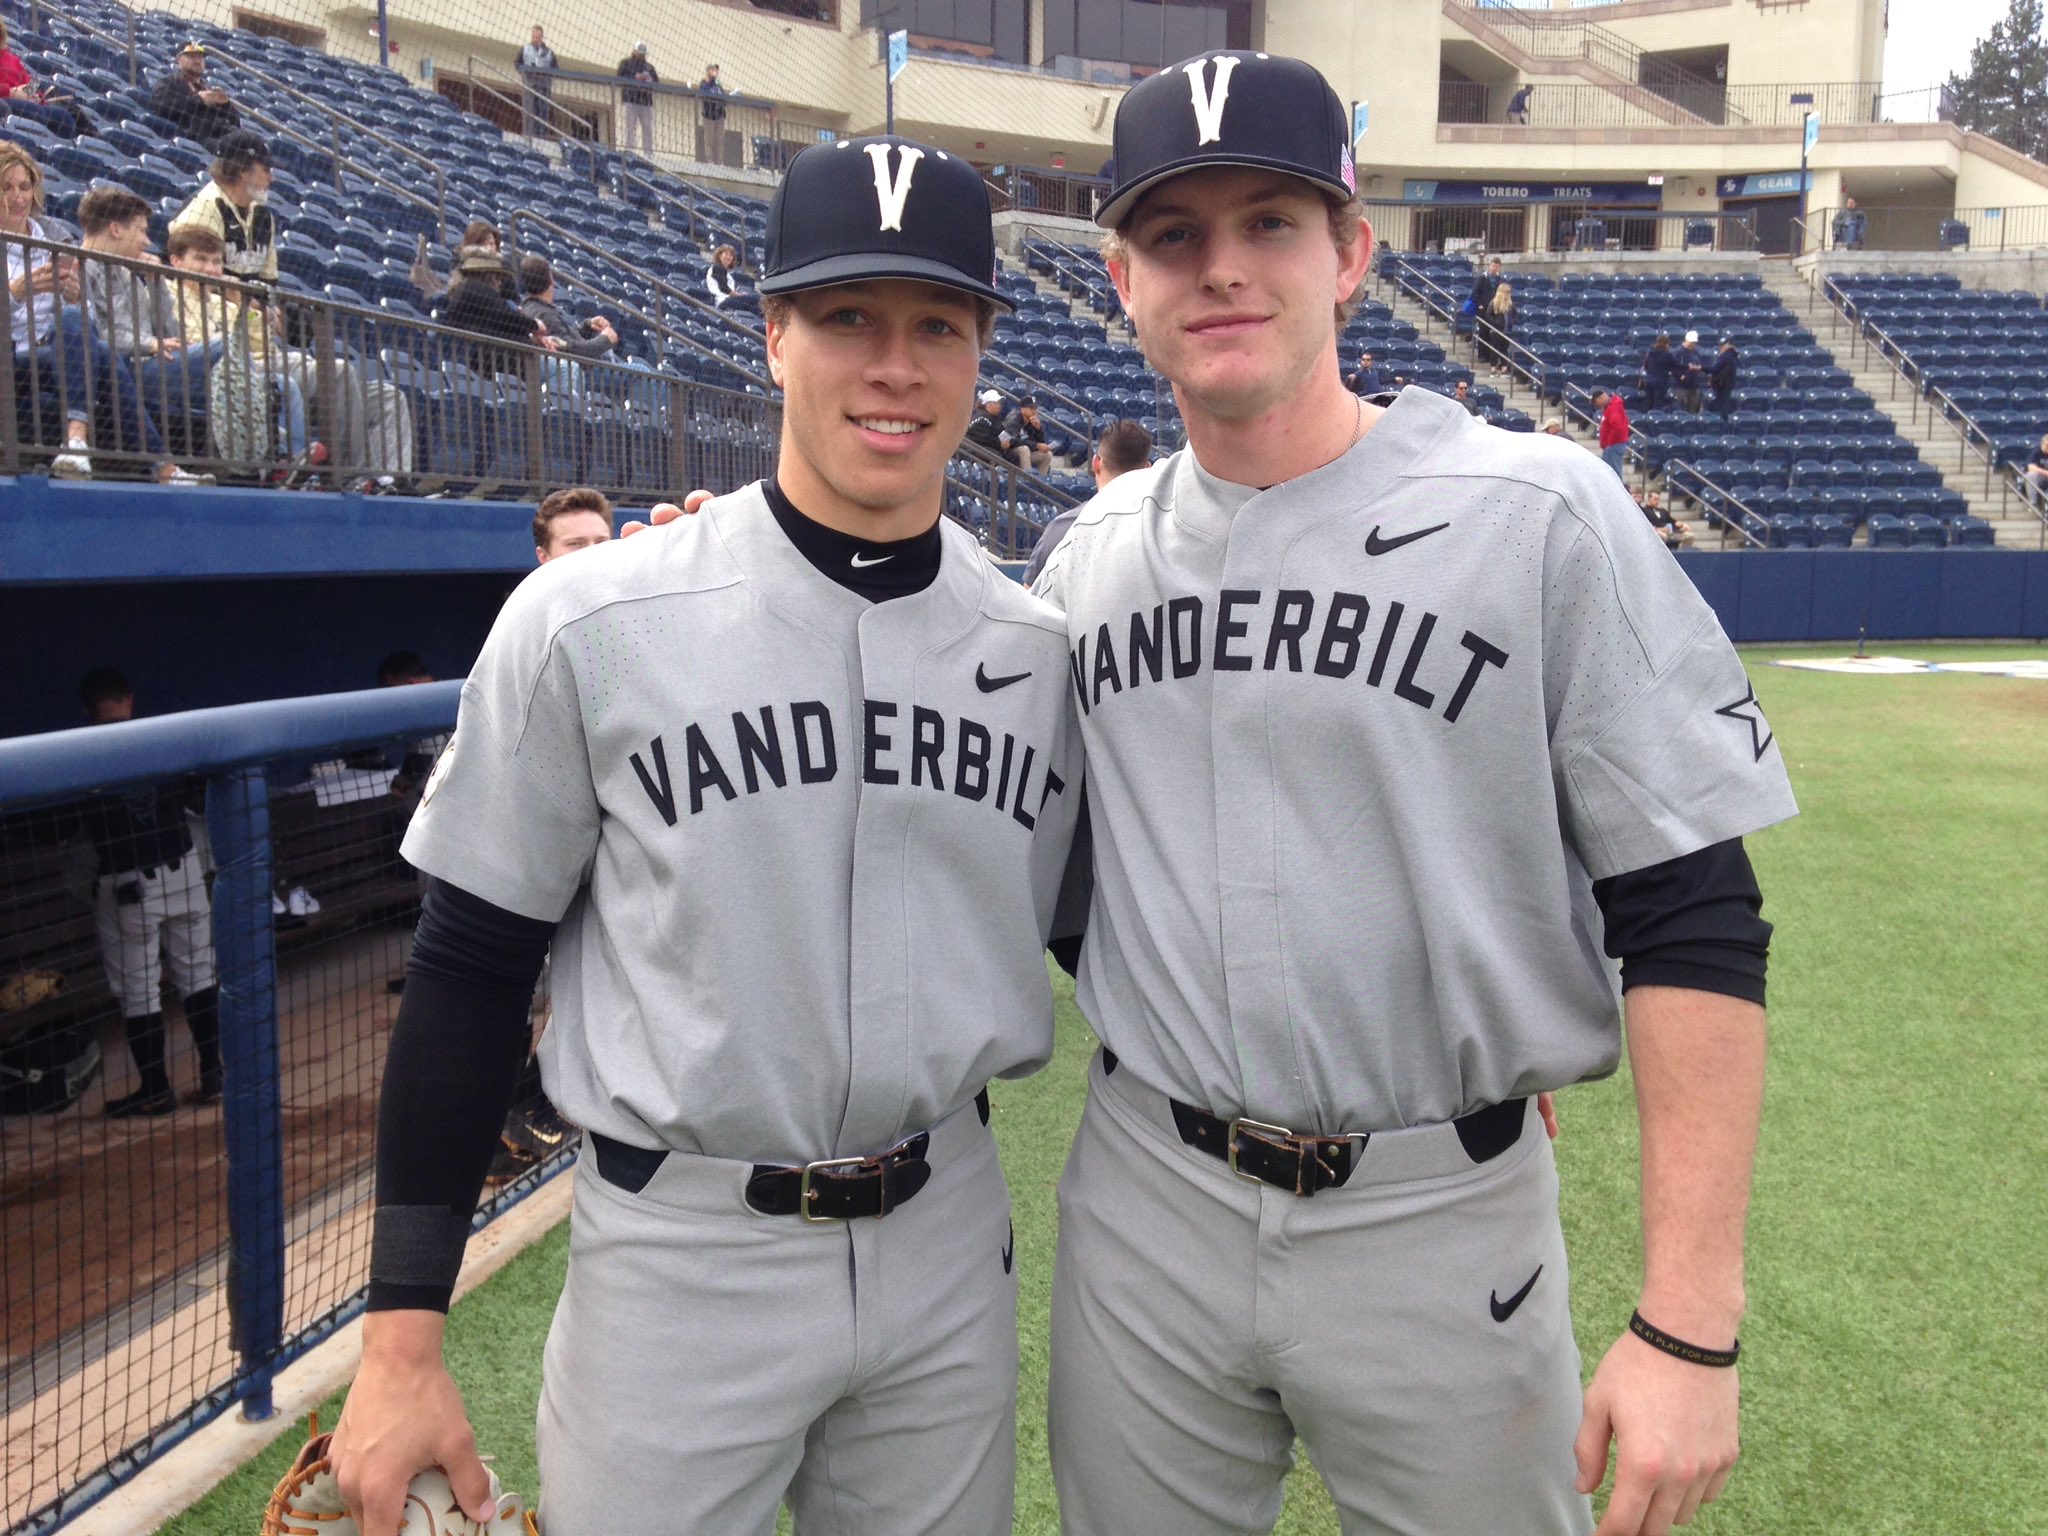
[
  {"x": 1444, "y": 684},
  {"x": 803, "y": 849}
]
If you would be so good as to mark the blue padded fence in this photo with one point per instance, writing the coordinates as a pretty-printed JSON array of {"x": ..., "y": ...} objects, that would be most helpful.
[
  {"x": 1789, "y": 595},
  {"x": 161, "y": 1269}
]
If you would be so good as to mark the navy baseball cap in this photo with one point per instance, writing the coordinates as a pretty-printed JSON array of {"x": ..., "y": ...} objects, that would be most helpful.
[
  {"x": 880, "y": 207},
  {"x": 1232, "y": 108}
]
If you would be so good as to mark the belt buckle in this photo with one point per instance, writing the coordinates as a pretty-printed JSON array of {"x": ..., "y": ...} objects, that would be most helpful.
[
  {"x": 1241, "y": 1125},
  {"x": 803, "y": 1185}
]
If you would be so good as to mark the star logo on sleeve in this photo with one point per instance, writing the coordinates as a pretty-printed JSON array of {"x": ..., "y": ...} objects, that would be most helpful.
[{"x": 1745, "y": 710}]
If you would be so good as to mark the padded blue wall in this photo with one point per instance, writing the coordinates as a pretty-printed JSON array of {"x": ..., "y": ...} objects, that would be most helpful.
[{"x": 1904, "y": 594}]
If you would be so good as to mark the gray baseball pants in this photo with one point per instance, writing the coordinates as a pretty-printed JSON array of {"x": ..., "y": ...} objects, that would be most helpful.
[
  {"x": 708, "y": 1362},
  {"x": 1201, "y": 1322}
]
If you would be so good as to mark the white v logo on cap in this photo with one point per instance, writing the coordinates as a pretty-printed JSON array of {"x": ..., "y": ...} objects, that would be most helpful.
[
  {"x": 892, "y": 192},
  {"x": 1208, "y": 102}
]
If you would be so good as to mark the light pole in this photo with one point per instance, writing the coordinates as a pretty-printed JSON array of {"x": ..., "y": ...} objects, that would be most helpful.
[{"x": 1809, "y": 126}]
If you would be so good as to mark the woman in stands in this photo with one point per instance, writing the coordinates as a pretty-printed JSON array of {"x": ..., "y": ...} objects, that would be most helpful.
[
  {"x": 1496, "y": 324},
  {"x": 56, "y": 354},
  {"x": 721, "y": 280},
  {"x": 1658, "y": 367},
  {"x": 35, "y": 102}
]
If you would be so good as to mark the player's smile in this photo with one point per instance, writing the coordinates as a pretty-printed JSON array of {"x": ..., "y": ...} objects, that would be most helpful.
[{"x": 878, "y": 380}]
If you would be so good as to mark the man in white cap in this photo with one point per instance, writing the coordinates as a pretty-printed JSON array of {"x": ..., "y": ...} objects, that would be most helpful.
[
  {"x": 986, "y": 429},
  {"x": 1689, "y": 372}
]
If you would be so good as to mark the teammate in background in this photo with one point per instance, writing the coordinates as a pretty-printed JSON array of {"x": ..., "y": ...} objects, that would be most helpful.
[
  {"x": 1393, "y": 722},
  {"x": 756, "y": 766},
  {"x": 1123, "y": 447},
  {"x": 566, "y": 521},
  {"x": 149, "y": 907}
]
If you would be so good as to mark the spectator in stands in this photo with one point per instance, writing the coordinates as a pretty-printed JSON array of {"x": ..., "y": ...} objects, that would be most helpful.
[
  {"x": 1658, "y": 366},
  {"x": 1123, "y": 447},
  {"x": 36, "y": 102},
  {"x": 373, "y": 425},
  {"x": 149, "y": 906},
  {"x": 1518, "y": 105},
  {"x": 208, "y": 317},
  {"x": 593, "y": 339},
  {"x": 1614, "y": 431},
  {"x": 1850, "y": 224},
  {"x": 721, "y": 280},
  {"x": 56, "y": 355},
  {"x": 566, "y": 521},
  {"x": 477, "y": 303},
  {"x": 136, "y": 314},
  {"x": 1365, "y": 380},
  {"x": 1485, "y": 286},
  {"x": 711, "y": 106},
  {"x": 1689, "y": 373},
  {"x": 1496, "y": 325},
  {"x": 1462, "y": 394},
  {"x": 636, "y": 102},
  {"x": 536, "y": 68},
  {"x": 201, "y": 111},
  {"x": 985, "y": 430},
  {"x": 1026, "y": 432},
  {"x": 1676, "y": 535},
  {"x": 1722, "y": 377},
  {"x": 1553, "y": 428},
  {"x": 2034, "y": 479}
]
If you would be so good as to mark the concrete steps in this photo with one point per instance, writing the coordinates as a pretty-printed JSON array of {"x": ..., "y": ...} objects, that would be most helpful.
[{"x": 1937, "y": 443}]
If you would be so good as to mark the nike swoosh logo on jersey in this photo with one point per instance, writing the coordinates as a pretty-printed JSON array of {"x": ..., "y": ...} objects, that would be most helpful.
[
  {"x": 861, "y": 565},
  {"x": 1009, "y": 1248},
  {"x": 989, "y": 684},
  {"x": 1503, "y": 1310},
  {"x": 1375, "y": 545}
]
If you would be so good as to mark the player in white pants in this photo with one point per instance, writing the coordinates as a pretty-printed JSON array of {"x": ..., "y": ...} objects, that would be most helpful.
[
  {"x": 790, "y": 787},
  {"x": 1395, "y": 723}
]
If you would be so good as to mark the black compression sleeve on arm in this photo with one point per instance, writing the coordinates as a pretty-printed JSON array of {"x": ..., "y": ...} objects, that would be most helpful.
[
  {"x": 457, "y": 1047},
  {"x": 1693, "y": 922}
]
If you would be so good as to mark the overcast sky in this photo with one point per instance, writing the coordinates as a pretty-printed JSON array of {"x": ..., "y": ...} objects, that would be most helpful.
[{"x": 1929, "y": 40}]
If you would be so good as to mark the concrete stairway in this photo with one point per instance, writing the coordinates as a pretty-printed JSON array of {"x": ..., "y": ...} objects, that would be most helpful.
[{"x": 1962, "y": 471}]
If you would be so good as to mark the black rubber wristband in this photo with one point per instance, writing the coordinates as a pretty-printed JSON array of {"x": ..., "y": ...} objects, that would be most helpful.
[{"x": 1657, "y": 1338}]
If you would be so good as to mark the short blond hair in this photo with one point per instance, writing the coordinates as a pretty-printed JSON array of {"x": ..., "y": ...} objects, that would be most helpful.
[{"x": 1347, "y": 214}]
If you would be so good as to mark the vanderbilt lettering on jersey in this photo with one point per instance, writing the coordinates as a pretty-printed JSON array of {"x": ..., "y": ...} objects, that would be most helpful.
[
  {"x": 991, "y": 767},
  {"x": 1337, "y": 635}
]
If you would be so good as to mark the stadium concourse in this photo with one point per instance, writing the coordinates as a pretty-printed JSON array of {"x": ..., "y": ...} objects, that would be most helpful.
[{"x": 160, "y": 1271}]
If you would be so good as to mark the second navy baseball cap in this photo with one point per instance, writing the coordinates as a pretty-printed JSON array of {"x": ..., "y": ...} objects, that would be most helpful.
[
  {"x": 1233, "y": 108},
  {"x": 880, "y": 207}
]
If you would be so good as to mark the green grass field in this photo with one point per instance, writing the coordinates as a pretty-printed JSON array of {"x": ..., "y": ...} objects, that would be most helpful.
[{"x": 1895, "y": 1359}]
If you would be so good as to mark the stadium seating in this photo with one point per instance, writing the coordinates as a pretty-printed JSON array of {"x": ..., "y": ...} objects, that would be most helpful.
[{"x": 1980, "y": 348}]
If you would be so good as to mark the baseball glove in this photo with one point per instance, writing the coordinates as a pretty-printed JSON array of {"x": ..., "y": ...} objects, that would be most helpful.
[
  {"x": 307, "y": 1502},
  {"x": 24, "y": 989}
]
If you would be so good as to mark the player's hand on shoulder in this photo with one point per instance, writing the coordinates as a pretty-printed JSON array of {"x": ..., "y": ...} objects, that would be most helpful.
[
  {"x": 1673, "y": 1426},
  {"x": 1546, "y": 1106},
  {"x": 665, "y": 512},
  {"x": 404, "y": 1415}
]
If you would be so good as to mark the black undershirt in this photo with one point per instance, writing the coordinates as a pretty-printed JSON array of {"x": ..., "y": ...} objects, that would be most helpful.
[
  {"x": 896, "y": 568},
  {"x": 461, "y": 1036}
]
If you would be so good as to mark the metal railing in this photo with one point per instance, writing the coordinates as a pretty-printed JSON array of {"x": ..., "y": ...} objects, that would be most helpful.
[
  {"x": 1572, "y": 229},
  {"x": 339, "y": 158},
  {"x": 748, "y": 132},
  {"x": 1929, "y": 227},
  {"x": 1047, "y": 190},
  {"x": 1551, "y": 105},
  {"x": 1867, "y": 340},
  {"x": 1680, "y": 475},
  {"x": 204, "y": 1248},
  {"x": 1548, "y": 34}
]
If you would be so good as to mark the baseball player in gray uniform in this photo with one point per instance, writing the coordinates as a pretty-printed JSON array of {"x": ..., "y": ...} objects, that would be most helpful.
[
  {"x": 791, "y": 786},
  {"x": 1402, "y": 732}
]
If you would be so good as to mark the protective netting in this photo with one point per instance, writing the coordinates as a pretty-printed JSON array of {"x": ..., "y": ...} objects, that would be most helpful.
[{"x": 197, "y": 980}]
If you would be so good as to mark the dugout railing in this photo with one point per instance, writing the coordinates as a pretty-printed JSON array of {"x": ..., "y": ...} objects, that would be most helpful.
[{"x": 160, "y": 1270}]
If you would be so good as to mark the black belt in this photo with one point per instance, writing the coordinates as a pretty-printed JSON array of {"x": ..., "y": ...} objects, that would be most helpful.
[
  {"x": 832, "y": 1189},
  {"x": 1302, "y": 1165}
]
